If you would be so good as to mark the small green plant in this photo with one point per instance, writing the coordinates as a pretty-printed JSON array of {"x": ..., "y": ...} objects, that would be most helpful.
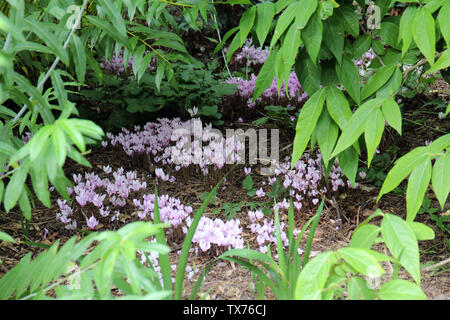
[{"x": 426, "y": 207}]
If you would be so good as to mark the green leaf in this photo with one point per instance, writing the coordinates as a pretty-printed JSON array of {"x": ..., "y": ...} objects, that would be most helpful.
[
  {"x": 306, "y": 123},
  {"x": 114, "y": 14},
  {"x": 288, "y": 52},
  {"x": 110, "y": 30},
  {"x": 349, "y": 19},
  {"x": 348, "y": 161},
  {"x": 264, "y": 15},
  {"x": 39, "y": 181},
  {"x": 442, "y": 63},
  {"x": 16, "y": 185},
  {"x": 49, "y": 39},
  {"x": 246, "y": 23},
  {"x": 32, "y": 46},
  {"x": 235, "y": 44},
  {"x": 361, "y": 261},
  {"x": 312, "y": 36},
  {"x": 424, "y": 33},
  {"x": 225, "y": 38},
  {"x": 358, "y": 290},
  {"x": 58, "y": 86},
  {"x": 73, "y": 133},
  {"x": 307, "y": 72},
  {"x": 24, "y": 204},
  {"x": 392, "y": 86},
  {"x": 377, "y": 80},
  {"x": 313, "y": 277},
  {"x": 402, "y": 169},
  {"x": 361, "y": 45},
  {"x": 338, "y": 107},
  {"x": 333, "y": 36},
  {"x": 326, "y": 133},
  {"x": 443, "y": 19},
  {"x": 402, "y": 243},
  {"x": 364, "y": 237},
  {"x": 304, "y": 11},
  {"x": 6, "y": 237},
  {"x": 373, "y": 133},
  {"x": 401, "y": 290},
  {"x": 417, "y": 186},
  {"x": 172, "y": 44},
  {"x": 284, "y": 21},
  {"x": 247, "y": 184},
  {"x": 60, "y": 145},
  {"x": 266, "y": 75},
  {"x": 392, "y": 114},
  {"x": 441, "y": 178},
  {"x": 356, "y": 125},
  {"x": 406, "y": 21},
  {"x": 349, "y": 77},
  {"x": 422, "y": 231},
  {"x": 79, "y": 57}
]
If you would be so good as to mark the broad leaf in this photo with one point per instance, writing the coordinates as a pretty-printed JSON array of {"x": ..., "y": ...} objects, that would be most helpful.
[
  {"x": 424, "y": 33},
  {"x": 401, "y": 290},
  {"x": 373, "y": 133},
  {"x": 392, "y": 114},
  {"x": 417, "y": 186},
  {"x": 377, "y": 81},
  {"x": 402, "y": 243},
  {"x": 349, "y": 76},
  {"x": 441, "y": 178},
  {"x": 264, "y": 16},
  {"x": 306, "y": 123}
]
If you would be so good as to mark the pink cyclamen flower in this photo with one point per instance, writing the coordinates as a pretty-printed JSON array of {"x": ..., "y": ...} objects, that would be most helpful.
[
  {"x": 104, "y": 144},
  {"x": 92, "y": 222},
  {"x": 362, "y": 175},
  {"x": 260, "y": 193},
  {"x": 247, "y": 171}
]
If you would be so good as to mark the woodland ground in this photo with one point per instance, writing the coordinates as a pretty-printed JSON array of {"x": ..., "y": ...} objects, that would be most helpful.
[{"x": 229, "y": 281}]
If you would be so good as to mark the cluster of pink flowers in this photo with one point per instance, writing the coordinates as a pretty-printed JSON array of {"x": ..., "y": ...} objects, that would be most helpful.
[
  {"x": 251, "y": 55},
  {"x": 117, "y": 67},
  {"x": 171, "y": 210},
  {"x": 364, "y": 61},
  {"x": 181, "y": 144},
  {"x": 216, "y": 233},
  {"x": 245, "y": 90},
  {"x": 105, "y": 195}
]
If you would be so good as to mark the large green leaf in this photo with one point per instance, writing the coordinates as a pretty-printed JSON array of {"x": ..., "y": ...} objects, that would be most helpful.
[
  {"x": 401, "y": 290},
  {"x": 356, "y": 125},
  {"x": 402, "y": 243},
  {"x": 284, "y": 21},
  {"x": 304, "y": 12},
  {"x": 422, "y": 231},
  {"x": 79, "y": 57},
  {"x": 307, "y": 72},
  {"x": 306, "y": 123},
  {"x": 402, "y": 169},
  {"x": 443, "y": 19},
  {"x": 442, "y": 63},
  {"x": 373, "y": 133},
  {"x": 349, "y": 77},
  {"x": 361, "y": 261},
  {"x": 333, "y": 36},
  {"x": 441, "y": 178},
  {"x": 424, "y": 33},
  {"x": 326, "y": 134},
  {"x": 312, "y": 36},
  {"x": 358, "y": 289},
  {"x": 392, "y": 114},
  {"x": 338, "y": 107},
  {"x": 407, "y": 20},
  {"x": 364, "y": 237},
  {"x": 348, "y": 161},
  {"x": 16, "y": 185},
  {"x": 377, "y": 80},
  {"x": 246, "y": 23},
  {"x": 264, "y": 16},
  {"x": 313, "y": 277},
  {"x": 417, "y": 186},
  {"x": 266, "y": 75}
]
